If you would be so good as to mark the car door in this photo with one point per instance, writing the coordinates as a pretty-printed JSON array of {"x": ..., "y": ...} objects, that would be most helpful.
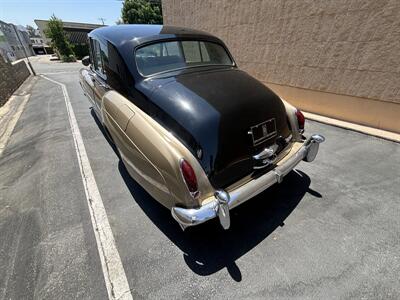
[
  {"x": 99, "y": 76},
  {"x": 86, "y": 76},
  {"x": 87, "y": 83}
]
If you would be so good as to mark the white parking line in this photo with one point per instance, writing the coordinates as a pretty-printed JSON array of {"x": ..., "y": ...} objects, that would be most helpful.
[
  {"x": 113, "y": 271},
  {"x": 55, "y": 73}
]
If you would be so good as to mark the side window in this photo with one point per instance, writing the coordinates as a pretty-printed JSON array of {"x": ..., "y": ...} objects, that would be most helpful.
[
  {"x": 98, "y": 64},
  {"x": 99, "y": 56},
  {"x": 90, "y": 41},
  {"x": 92, "y": 52},
  {"x": 104, "y": 56}
]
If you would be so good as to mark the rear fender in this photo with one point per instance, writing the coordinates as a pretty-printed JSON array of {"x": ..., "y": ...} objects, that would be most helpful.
[
  {"x": 152, "y": 154},
  {"x": 291, "y": 114}
]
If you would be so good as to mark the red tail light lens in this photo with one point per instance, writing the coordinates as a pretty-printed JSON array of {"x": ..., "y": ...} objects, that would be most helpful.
[
  {"x": 300, "y": 119},
  {"x": 190, "y": 177}
]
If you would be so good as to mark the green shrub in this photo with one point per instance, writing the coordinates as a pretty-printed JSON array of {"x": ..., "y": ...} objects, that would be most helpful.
[
  {"x": 69, "y": 58},
  {"x": 80, "y": 50}
]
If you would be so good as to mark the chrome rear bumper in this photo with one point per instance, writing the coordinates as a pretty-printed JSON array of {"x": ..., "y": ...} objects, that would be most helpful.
[{"x": 224, "y": 201}]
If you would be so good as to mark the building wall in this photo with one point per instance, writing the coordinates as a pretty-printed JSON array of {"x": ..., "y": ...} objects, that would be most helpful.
[
  {"x": 10, "y": 46},
  {"x": 26, "y": 41},
  {"x": 324, "y": 56},
  {"x": 75, "y": 32},
  {"x": 11, "y": 77}
]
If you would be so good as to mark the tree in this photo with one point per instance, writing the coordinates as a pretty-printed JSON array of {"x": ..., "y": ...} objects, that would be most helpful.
[
  {"x": 59, "y": 41},
  {"x": 141, "y": 12}
]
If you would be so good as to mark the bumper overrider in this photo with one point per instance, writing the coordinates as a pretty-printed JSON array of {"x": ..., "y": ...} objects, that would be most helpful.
[{"x": 224, "y": 201}]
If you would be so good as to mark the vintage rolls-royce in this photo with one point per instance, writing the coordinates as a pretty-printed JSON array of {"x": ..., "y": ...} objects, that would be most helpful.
[{"x": 197, "y": 133}]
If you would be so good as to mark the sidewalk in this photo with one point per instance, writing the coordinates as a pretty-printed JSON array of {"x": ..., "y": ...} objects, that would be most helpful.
[
  {"x": 387, "y": 135},
  {"x": 12, "y": 109}
]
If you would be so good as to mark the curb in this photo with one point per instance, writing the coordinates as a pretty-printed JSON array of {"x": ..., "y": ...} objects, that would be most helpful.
[{"x": 387, "y": 135}]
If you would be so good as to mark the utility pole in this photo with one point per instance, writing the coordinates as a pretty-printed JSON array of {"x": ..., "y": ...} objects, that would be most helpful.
[
  {"x": 23, "y": 48},
  {"x": 102, "y": 20}
]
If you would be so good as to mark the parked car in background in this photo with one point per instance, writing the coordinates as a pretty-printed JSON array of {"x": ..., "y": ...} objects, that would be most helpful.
[{"x": 199, "y": 134}]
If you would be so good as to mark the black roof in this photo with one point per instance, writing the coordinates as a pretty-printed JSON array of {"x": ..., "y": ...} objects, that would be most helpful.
[
  {"x": 119, "y": 35},
  {"x": 126, "y": 38}
]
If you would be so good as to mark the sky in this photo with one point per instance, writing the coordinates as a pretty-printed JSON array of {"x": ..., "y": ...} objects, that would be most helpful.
[{"x": 24, "y": 12}]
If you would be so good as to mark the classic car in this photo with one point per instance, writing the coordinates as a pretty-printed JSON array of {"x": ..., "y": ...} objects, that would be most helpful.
[{"x": 197, "y": 133}]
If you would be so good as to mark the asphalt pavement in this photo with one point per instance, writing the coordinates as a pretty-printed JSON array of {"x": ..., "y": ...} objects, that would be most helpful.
[{"x": 330, "y": 230}]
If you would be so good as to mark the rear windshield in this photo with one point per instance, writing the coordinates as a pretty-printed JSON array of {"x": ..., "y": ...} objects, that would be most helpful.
[{"x": 168, "y": 56}]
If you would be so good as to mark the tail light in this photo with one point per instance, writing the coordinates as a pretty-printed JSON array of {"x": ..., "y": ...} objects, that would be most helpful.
[
  {"x": 190, "y": 177},
  {"x": 300, "y": 119}
]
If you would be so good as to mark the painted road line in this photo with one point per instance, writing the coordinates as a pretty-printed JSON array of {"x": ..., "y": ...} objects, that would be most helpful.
[
  {"x": 113, "y": 271},
  {"x": 55, "y": 73}
]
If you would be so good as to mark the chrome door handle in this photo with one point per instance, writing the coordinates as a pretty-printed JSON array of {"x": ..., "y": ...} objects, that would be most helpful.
[{"x": 103, "y": 85}]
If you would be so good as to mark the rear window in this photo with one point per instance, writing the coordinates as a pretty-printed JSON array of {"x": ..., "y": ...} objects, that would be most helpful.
[{"x": 168, "y": 56}]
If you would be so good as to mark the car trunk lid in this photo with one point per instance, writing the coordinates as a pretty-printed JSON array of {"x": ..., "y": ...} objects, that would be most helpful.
[{"x": 231, "y": 116}]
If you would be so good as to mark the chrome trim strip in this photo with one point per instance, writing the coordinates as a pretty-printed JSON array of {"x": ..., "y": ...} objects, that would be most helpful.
[{"x": 224, "y": 201}]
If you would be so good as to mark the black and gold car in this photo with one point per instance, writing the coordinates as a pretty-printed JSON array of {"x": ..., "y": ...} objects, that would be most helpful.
[{"x": 200, "y": 135}]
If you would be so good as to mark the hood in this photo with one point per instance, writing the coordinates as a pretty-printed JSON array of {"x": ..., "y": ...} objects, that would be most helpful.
[{"x": 212, "y": 112}]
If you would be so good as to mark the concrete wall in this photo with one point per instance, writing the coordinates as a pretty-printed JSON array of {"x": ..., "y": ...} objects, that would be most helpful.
[
  {"x": 11, "y": 77},
  {"x": 324, "y": 56},
  {"x": 10, "y": 45}
]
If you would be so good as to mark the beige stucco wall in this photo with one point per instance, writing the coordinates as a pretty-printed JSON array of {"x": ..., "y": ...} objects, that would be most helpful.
[{"x": 322, "y": 48}]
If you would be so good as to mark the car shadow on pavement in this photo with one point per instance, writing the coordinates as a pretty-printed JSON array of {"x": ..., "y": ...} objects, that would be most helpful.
[
  {"x": 104, "y": 132},
  {"x": 208, "y": 248}
]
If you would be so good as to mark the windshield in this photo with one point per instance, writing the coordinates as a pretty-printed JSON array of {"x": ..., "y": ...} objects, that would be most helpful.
[{"x": 167, "y": 56}]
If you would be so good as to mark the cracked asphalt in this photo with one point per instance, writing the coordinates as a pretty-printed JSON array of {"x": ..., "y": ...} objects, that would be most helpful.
[{"x": 330, "y": 230}]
